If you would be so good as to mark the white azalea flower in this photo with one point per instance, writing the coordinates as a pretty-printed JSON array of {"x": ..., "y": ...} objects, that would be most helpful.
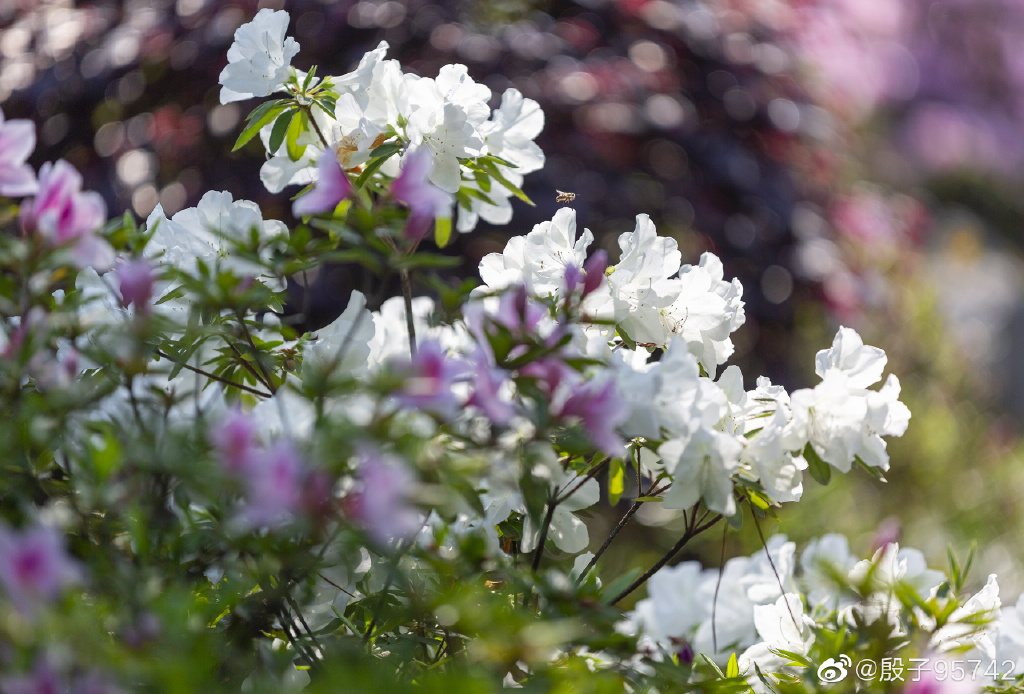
[
  {"x": 706, "y": 311},
  {"x": 675, "y": 605},
  {"x": 357, "y": 82},
  {"x": 207, "y": 232},
  {"x": 457, "y": 87},
  {"x": 956, "y": 635},
  {"x": 511, "y": 132},
  {"x": 496, "y": 210},
  {"x": 391, "y": 334},
  {"x": 1009, "y": 636},
  {"x": 445, "y": 130},
  {"x": 826, "y": 562},
  {"x": 781, "y": 626},
  {"x": 701, "y": 466},
  {"x": 344, "y": 345},
  {"x": 642, "y": 281},
  {"x": 566, "y": 531},
  {"x": 686, "y": 401},
  {"x": 839, "y": 417},
  {"x": 861, "y": 363},
  {"x": 538, "y": 259},
  {"x": 260, "y": 58}
]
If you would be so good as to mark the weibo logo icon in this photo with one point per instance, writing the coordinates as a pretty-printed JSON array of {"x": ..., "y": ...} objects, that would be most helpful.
[{"x": 833, "y": 670}]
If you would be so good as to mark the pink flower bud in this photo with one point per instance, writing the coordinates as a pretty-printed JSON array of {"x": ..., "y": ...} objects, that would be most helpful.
[
  {"x": 136, "y": 279},
  {"x": 594, "y": 268}
]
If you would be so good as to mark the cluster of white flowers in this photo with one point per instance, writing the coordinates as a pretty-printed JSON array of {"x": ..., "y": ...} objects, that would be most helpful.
[
  {"x": 649, "y": 294},
  {"x": 710, "y": 432},
  {"x": 759, "y": 605},
  {"x": 448, "y": 116}
]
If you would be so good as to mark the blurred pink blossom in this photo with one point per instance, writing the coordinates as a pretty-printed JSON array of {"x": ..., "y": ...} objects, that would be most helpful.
[
  {"x": 424, "y": 200},
  {"x": 34, "y": 566},
  {"x": 17, "y": 141},
  {"x": 274, "y": 485},
  {"x": 135, "y": 278},
  {"x": 382, "y": 505},
  {"x": 42, "y": 680},
  {"x": 601, "y": 410},
  {"x": 236, "y": 442},
  {"x": 62, "y": 214},
  {"x": 487, "y": 389},
  {"x": 331, "y": 187},
  {"x": 430, "y": 376}
]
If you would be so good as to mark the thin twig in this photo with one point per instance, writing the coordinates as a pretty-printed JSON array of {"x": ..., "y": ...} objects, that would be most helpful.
[
  {"x": 248, "y": 367},
  {"x": 782, "y": 588},
  {"x": 689, "y": 535},
  {"x": 312, "y": 121},
  {"x": 269, "y": 382},
  {"x": 552, "y": 504},
  {"x": 221, "y": 379},
  {"x": 581, "y": 481},
  {"x": 329, "y": 581},
  {"x": 718, "y": 585},
  {"x": 615, "y": 531},
  {"x": 293, "y": 639},
  {"x": 302, "y": 621},
  {"x": 409, "y": 322}
]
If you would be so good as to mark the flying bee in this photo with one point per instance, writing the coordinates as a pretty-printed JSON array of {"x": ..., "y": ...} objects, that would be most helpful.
[{"x": 563, "y": 196}]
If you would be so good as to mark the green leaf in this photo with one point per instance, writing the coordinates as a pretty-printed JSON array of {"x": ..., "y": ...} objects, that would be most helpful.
[
  {"x": 268, "y": 112},
  {"x": 309, "y": 78},
  {"x": 483, "y": 180},
  {"x": 442, "y": 231},
  {"x": 280, "y": 128},
  {"x": 764, "y": 680},
  {"x": 714, "y": 667},
  {"x": 498, "y": 160},
  {"x": 970, "y": 560},
  {"x": 619, "y": 584},
  {"x": 425, "y": 261},
  {"x": 616, "y": 481},
  {"x": 819, "y": 469},
  {"x": 175, "y": 293},
  {"x": 386, "y": 149},
  {"x": 295, "y": 128},
  {"x": 107, "y": 456},
  {"x": 873, "y": 471},
  {"x": 732, "y": 668},
  {"x": 795, "y": 657},
  {"x": 371, "y": 168},
  {"x": 492, "y": 169}
]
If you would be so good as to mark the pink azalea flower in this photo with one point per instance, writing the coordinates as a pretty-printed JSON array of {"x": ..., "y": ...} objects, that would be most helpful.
[
  {"x": 17, "y": 141},
  {"x": 424, "y": 200},
  {"x": 382, "y": 505},
  {"x": 429, "y": 379},
  {"x": 550, "y": 372},
  {"x": 487, "y": 383},
  {"x": 236, "y": 442},
  {"x": 136, "y": 278},
  {"x": 331, "y": 188},
  {"x": 600, "y": 410},
  {"x": 518, "y": 312},
  {"x": 34, "y": 567},
  {"x": 62, "y": 214},
  {"x": 274, "y": 486},
  {"x": 42, "y": 680}
]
